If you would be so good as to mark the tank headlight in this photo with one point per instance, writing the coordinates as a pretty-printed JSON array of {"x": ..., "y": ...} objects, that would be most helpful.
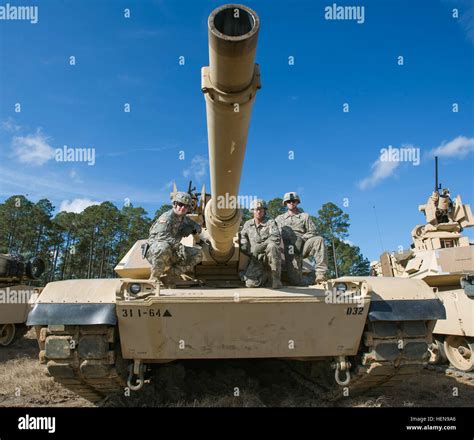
[
  {"x": 341, "y": 287},
  {"x": 135, "y": 288}
]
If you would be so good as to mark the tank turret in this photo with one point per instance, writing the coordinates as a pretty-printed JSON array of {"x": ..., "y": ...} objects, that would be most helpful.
[
  {"x": 14, "y": 269},
  {"x": 440, "y": 254}
]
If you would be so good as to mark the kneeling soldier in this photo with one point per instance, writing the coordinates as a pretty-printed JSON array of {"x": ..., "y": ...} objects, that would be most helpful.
[
  {"x": 165, "y": 253},
  {"x": 300, "y": 241},
  {"x": 260, "y": 239}
]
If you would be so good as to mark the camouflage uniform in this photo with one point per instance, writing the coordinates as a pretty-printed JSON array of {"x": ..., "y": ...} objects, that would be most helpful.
[
  {"x": 301, "y": 241},
  {"x": 262, "y": 242},
  {"x": 166, "y": 253}
]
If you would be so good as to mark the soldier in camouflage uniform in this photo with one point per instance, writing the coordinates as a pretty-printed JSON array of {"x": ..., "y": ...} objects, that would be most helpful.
[
  {"x": 260, "y": 239},
  {"x": 300, "y": 241},
  {"x": 165, "y": 252}
]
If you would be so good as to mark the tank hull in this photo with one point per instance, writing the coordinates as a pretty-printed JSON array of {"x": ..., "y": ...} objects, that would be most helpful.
[
  {"x": 239, "y": 323},
  {"x": 378, "y": 330},
  {"x": 459, "y": 313}
]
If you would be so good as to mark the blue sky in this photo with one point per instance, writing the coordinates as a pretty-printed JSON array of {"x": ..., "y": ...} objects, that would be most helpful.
[{"x": 300, "y": 107}]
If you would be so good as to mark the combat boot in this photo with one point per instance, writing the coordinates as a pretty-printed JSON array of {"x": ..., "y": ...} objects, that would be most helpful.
[{"x": 276, "y": 283}]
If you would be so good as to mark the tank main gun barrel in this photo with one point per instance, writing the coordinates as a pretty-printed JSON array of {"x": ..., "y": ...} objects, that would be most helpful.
[{"x": 229, "y": 85}]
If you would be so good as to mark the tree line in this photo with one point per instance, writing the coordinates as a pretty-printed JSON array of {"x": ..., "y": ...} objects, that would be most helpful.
[{"x": 91, "y": 243}]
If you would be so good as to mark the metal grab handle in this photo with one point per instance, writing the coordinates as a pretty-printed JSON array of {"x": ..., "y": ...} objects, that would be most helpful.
[
  {"x": 140, "y": 380},
  {"x": 338, "y": 379}
]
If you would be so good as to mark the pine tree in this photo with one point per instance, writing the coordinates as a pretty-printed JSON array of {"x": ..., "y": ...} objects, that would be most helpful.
[
  {"x": 343, "y": 258},
  {"x": 275, "y": 208}
]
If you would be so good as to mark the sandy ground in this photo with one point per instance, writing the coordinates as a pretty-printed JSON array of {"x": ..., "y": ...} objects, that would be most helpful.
[{"x": 23, "y": 382}]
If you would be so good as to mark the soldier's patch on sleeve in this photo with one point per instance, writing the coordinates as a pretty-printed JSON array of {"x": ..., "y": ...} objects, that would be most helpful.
[{"x": 162, "y": 221}]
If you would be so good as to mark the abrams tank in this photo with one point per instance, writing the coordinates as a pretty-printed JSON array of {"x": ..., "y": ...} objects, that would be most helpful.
[
  {"x": 98, "y": 336},
  {"x": 15, "y": 296},
  {"x": 443, "y": 257}
]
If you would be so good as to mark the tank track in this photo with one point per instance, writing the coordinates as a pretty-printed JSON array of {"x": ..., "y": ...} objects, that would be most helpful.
[
  {"x": 84, "y": 359},
  {"x": 390, "y": 352},
  {"x": 87, "y": 361}
]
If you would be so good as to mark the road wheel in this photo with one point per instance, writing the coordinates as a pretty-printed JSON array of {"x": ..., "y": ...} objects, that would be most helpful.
[
  {"x": 7, "y": 334},
  {"x": 460, "y": 352}
]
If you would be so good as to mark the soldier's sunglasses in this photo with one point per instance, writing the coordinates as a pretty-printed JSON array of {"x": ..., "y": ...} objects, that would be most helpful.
[{"x": 181, "y": 204}]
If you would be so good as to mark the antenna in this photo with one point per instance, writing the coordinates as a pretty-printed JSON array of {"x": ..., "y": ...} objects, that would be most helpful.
[{"x": 436, "y": 188}]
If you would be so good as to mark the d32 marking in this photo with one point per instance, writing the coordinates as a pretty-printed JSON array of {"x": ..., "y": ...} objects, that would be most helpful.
[{"x": 354, "y": 311}]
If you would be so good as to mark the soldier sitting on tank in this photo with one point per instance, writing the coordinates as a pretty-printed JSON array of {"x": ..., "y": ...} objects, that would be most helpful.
[
  {"x": 300, "y": 241},
  {"x": 260, "y": 239},
  {"x": 444, "y": 207},
  {"x": 166, "y": 254}
]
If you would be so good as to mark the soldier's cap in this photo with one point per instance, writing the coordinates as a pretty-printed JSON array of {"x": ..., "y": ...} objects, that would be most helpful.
[
  {"x": 258, "y": 203},
  {"x": 182, "y": 197},
  {"x": 291, "y": 196}
]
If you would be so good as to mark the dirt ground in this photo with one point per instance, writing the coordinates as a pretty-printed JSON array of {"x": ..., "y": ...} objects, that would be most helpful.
[{"x": 247, "y": 383}]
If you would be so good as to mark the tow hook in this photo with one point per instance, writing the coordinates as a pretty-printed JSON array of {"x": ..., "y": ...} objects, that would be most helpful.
[
  {"x": 342, "y": 365},
  {"x": 137, "y": 369}
]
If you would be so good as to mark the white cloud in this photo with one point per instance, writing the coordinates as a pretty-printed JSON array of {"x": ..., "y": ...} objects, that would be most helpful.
[
  {"x": 198, "y": 169},
  {"x": 458, "y": 147},
  {"x": 76, "y": 205},
  {"x": 32, "y": 149},
  {"x": 380, "y": 171},
  {"x": 348, "y": 242},
  {"x": 465, "y": 17},
  {"x": 10, "y": 126},
  {"x": 56, "y": 186}
]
